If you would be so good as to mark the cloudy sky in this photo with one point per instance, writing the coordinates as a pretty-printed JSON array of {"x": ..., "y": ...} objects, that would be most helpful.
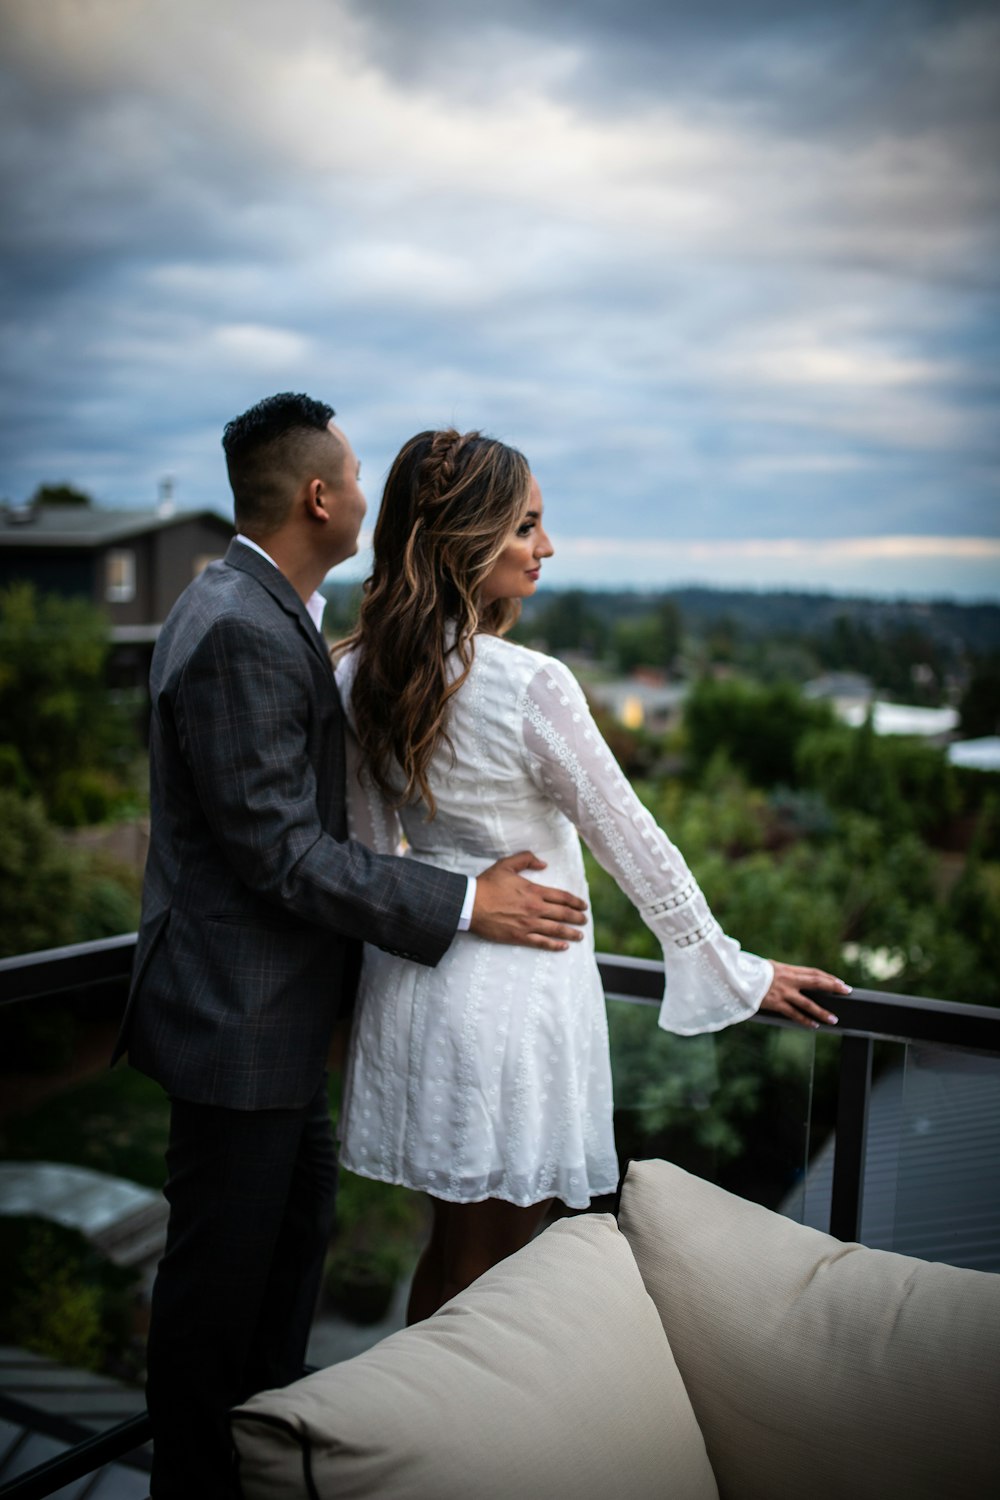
[{"x": 726, "y": 271}]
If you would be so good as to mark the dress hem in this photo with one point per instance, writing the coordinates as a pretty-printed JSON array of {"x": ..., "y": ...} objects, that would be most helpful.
[{"x": 415, "y": 1187}]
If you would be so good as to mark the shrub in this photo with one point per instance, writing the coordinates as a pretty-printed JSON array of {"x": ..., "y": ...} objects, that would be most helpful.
[
  {"x": 900, "y": 781},
  {"x": 38, "y": 880},
  {"x": 57, "y": 716},
  {"x": 758, "y": 727},
  {"x": 51, "y": 895},
  {"x": 63, "y": 1299},
  {"x": 83, "y": 797}
]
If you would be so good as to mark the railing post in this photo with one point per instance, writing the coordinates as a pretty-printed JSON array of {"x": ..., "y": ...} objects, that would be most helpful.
[{"x": 851, "y": 1137}]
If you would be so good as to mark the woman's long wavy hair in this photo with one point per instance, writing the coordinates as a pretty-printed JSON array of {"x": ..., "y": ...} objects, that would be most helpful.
[{"x": 450, "y": 504}]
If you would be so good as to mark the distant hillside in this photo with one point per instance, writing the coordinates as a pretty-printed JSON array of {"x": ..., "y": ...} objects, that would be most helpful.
[
  {"x": 974, "y": 628},
  {"x": 926, "y": 653},
  {"x": 758, "y": 615}
]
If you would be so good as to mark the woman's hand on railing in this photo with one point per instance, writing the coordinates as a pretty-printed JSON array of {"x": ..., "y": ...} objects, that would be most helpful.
[{"x": 786, "y": 995}]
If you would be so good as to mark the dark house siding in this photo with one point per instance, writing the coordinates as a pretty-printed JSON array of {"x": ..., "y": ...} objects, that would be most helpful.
[
  {"x": 160, "y": 559},
  {"x": 134, "y": 611},
  {"x": 179, "y": 550},
  {"x": 70, "y": 573}
]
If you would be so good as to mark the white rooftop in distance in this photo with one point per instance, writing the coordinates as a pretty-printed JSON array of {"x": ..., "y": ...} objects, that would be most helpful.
[
  {"x": 976, "y": 755},
  {"x": 902, "y": 718}
]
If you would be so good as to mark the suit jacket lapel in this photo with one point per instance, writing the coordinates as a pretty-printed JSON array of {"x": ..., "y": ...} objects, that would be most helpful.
[{"x": 271, "y": 578}]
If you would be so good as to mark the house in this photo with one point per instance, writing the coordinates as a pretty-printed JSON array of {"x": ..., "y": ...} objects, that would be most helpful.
[
  {"x": 936, "y": 725},
  {"x": 133, "y": 564},
  {"x": 849, "y": 692},
  {"x": 853, "y": 699},
  {"x": 976, "y": 755},
  {"x": 640, "y": 704}
]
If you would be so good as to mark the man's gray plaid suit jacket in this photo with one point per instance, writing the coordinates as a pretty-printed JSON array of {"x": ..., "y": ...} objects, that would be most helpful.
[{"x": 255, "y": 902}]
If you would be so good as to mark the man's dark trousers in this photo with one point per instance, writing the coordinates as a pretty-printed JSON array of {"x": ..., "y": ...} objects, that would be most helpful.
[{"x": 251, "y": 1196}]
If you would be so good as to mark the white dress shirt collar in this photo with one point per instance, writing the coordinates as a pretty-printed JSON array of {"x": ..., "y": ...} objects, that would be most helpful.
[{"x": 315, "y": 605}]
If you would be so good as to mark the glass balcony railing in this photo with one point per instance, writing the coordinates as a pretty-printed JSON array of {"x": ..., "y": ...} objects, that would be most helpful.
[{"x": 886, "y": 1130}]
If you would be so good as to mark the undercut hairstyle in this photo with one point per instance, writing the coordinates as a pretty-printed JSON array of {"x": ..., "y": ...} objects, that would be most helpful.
[
  {"x": 271, "y": 451},
  {"x": 451, "y": 502}
]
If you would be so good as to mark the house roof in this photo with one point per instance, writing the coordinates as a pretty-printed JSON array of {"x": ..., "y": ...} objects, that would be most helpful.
[
  {"x": 839, "y": 685},
  {"x": 902, "y": 718},
  {"x": 978, "y": 755},
  {"x": 85, "y": 526}
]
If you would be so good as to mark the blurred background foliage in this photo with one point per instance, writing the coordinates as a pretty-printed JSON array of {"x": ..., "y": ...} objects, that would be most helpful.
[
  {"x": 70, "y": 757},
  {"x": 66, "y": 1301},
  {"x": 65, "y": 737},
  {"x": 845, "y": 858}
]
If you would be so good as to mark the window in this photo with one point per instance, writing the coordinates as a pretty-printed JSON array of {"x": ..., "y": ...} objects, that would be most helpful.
[{"x": 120, "y": 577}]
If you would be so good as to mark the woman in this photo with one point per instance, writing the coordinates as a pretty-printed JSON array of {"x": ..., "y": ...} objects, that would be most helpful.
[{"x": 486, "y": 1082}]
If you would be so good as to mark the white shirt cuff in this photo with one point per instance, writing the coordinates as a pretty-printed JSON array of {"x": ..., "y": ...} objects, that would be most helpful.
[{"x": 465, "y": 920}]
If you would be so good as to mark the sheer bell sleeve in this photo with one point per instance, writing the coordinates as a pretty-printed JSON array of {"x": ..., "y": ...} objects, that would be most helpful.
[
  {"x": 710, "y": 981},
  {"x": 371, "y": 819}
]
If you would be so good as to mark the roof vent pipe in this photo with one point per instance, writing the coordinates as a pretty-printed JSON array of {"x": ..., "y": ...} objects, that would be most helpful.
[{"x": 166, "y": 506}]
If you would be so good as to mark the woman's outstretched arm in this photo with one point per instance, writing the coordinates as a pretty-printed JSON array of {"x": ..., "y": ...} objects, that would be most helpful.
[{"x": 710, "y": 981}]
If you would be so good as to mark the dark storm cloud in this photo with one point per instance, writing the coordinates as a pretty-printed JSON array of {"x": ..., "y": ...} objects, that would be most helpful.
[
  {"x": 844, "y": 74},
  {"x": 98, "y": 181},
  {"x": 816, "y": 66}
]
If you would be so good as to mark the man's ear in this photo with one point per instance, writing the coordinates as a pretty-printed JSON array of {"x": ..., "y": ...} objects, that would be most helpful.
[{"x": 317, "y": 501}]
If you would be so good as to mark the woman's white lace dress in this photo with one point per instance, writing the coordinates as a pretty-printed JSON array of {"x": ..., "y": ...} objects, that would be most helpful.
[{"x": 489, "y": 1075}]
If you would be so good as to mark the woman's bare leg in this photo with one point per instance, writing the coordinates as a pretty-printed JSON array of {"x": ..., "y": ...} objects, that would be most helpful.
[
  {"x": 425, "y": 1293},
  {"x": 466, "y": 1240}
]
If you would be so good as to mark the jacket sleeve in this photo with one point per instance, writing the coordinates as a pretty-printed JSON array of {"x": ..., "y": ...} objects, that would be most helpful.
[
  {"x": 710, "y": 981},
  {"x": 242, "y": 711}
]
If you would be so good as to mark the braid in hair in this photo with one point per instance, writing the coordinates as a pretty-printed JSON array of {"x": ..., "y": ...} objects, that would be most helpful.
[{"x": 450, "y": 503}]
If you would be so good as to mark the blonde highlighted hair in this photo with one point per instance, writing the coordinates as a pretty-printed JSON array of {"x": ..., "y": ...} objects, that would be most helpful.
[{"x": 450, "y": 504}]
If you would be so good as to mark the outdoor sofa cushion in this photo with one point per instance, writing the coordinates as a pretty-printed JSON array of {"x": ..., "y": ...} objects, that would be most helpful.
[
  {"x": 817, "y": 1368},
  {"x": 550, "y": 1376}
]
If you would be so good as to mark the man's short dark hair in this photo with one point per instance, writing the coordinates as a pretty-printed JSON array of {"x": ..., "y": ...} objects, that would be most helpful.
[{"x": 270, "y": 450}]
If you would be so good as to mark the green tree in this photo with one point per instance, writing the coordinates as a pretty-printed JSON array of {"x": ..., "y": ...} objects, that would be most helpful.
[
  {"x": 959, "y": 961},
  {"x": 649, "y": 640},
  {"x": 722, "y": 637},
  {"x": 59, "y": 494},
  {"x": 979, "y": 708},
  {"x": 38, "y": 880},
  {"x": 901, "y": 781},
  {"x": 901, "y": 656},
  {"x": 343, "y": 601},
  {"x": 64, "y": 1299},
  {"x": 566, "y": 623},
  {"x": 62, "y": 735},
  {"x": 51, "y": 895},
  {"x": 758, "y": 727}
]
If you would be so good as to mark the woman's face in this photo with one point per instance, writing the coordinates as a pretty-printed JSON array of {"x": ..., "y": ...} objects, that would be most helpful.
[{"x": 515, "y": 572}]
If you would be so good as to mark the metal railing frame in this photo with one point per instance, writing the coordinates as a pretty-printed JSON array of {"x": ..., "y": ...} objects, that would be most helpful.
[{"x": 866, "y": 1016}]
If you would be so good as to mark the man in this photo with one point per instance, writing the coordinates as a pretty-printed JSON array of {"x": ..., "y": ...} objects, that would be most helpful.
[{"x": 254, "y": 907}]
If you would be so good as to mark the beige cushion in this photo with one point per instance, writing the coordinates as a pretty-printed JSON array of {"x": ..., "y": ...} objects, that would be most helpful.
[
  {"x": 818, "y": 1370},
  {"x": 550, "y": 1376}
]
